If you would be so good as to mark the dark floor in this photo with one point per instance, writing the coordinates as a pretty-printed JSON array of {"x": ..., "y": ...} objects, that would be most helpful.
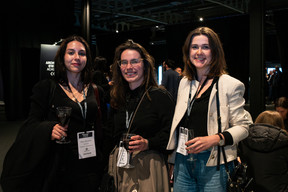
[{"x": 8, "y": 132}]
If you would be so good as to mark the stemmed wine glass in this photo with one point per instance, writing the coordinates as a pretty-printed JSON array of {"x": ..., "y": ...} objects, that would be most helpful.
[
  {"x": 126, "y": 139},
  {"x": 191, "y": 136},
  {"x": 63, "y": 114}
]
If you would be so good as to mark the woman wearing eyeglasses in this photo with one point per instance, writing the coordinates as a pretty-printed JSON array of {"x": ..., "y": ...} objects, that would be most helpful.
[{"x": 140, "y": 107}]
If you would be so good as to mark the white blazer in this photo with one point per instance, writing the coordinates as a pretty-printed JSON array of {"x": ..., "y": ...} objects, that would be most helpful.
[{"x": 234, "y": 118}]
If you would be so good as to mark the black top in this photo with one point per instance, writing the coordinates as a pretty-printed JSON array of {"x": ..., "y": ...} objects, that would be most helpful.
[
  {"x": 152, "y": 120},
  {"x": 77, "y": 124},
  {"x": 35, "y": 162},
  {"x": 198, "y": 116}
]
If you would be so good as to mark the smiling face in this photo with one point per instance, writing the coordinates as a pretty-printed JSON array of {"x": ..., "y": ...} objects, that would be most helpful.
[
  {"x": 75, "y": 57},
  {"x": 200, "y": 52},
  {"x": 133, "y": 74}
]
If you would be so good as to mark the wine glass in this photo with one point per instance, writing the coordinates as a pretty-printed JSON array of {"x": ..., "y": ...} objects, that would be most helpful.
[
  {"x": 63, "y": 114},
  {"x": 191, "y": 136},
  {"x": 126, "y": 139}
]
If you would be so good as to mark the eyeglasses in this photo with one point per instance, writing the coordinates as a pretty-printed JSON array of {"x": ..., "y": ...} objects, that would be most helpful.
[{"x": 124, "y": 63}]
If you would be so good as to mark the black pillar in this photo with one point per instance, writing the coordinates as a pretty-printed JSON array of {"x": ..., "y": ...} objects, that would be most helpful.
[
  {"x": 86, "y": 12},
  {"x": 257, "y": 96}
]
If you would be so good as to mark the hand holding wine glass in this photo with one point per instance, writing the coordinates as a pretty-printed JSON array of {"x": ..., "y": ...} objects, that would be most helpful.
[
  {"x": 63, "y": 114},
  {"x": 126, "y": 138},
  {"x": 191, "y": 136}
]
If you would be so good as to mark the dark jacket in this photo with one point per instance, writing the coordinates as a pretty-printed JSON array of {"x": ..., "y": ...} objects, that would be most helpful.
[
  {"x": 266, "y": 153},
  {"x": 152, "y": 120},
  {"x": 171, "y": 81},
  {"x": 33, "y": 160}
]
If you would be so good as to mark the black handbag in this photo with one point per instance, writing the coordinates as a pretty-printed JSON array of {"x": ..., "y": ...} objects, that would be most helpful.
[{"x": 238, "y": 181}]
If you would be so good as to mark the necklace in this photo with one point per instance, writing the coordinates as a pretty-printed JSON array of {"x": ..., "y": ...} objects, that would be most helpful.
[
  {"x": 78, "y": 86},
  {"x": 83, "y": 111}
]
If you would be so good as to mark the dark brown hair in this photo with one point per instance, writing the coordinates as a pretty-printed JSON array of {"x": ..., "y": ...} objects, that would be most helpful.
[
  {"x": 120, "y": 86},
  {"x": 60, "y": 68},
  {"x": 218, "y": 62},
  {"x": 282, "y": 102}
]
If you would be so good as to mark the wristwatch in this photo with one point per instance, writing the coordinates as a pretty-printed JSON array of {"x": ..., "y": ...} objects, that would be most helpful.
[{"x": 221, "y": 142}]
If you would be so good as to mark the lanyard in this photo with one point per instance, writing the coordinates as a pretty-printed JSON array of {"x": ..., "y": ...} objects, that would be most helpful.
[
  {"x": 128, "y": 119},
  {"x": 83, "y": 112},
  {"x": 191, "y": 102}
]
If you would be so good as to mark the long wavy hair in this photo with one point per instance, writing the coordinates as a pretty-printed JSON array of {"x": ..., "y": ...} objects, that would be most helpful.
[
  {"x": 60, "y": 68},
  {"x": 218, "y": 62},
  {"x": 120, "y": 86}
]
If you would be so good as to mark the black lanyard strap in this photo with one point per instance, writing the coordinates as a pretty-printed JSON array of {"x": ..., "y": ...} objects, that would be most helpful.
[{"x": 191, "y": 102}]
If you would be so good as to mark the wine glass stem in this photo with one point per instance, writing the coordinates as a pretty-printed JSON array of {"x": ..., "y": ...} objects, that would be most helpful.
[{"x": 130, "y": 155}]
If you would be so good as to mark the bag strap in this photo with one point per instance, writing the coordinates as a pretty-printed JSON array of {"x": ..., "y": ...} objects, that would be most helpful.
[
  {"x": 96, "y": 92},
  {"x": 99, "y": 120},
  {"x": 138, "y": 105},
  {"x": 219, "y": 123},
  {"x": 219, "y": 131}
]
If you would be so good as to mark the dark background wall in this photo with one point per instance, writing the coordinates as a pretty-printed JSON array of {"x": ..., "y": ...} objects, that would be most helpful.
[
  {"x": 24, "y": 26},
  {"x": 47, "y": 21},
  {"x": 233, "y": 32}
]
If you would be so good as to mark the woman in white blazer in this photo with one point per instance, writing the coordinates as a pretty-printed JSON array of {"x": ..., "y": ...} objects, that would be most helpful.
[{"x": 196, "y": 109}]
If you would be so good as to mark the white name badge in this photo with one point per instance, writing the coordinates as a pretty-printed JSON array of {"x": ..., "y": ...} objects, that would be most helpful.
[
  {"x": 86, "y": 144},
  {"x": 182, "y": 139},
  {"x": 122, "y": 159}
]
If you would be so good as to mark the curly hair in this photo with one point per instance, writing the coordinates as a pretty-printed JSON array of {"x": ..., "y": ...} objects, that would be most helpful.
[{"x": 120, "y": 86}]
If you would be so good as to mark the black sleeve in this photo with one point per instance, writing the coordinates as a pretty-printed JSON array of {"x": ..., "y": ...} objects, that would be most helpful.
[
  {"x": 165, "y": 106},
  {"x": 33, "y": 142},
  {"x": 228, "y": 138}
]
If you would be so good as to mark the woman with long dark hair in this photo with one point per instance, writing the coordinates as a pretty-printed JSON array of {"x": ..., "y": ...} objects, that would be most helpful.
[
  {"x": 50, "y": 155},
  {"x": 139, "y": 107}
]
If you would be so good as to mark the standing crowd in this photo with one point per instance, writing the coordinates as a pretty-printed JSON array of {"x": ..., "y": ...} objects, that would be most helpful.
[{"x": 125, "y": 131}]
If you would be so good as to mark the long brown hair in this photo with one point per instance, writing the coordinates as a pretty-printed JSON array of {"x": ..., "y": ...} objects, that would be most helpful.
[
  {"x": 120, "y": 86},
  {"x": 60, "y": 68},
  {"x": 271, "y": 118},
  {"x": 218, "y": 62}
]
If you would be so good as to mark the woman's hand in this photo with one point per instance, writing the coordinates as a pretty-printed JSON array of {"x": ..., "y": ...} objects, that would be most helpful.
[
  {"x": 138, "y": 144},
  {"x": 199, "y": 144},
  {"x": 58, "y": 132}
]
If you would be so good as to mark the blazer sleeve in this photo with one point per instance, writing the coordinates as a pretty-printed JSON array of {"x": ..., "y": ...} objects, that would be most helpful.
[{"x": 237, "y": 117}]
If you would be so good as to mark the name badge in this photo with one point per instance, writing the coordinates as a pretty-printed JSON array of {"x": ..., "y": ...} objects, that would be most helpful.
[
  {"x": 182, "y": 139},
  {"x": 86, "y": 144},
  {"x": 122, "y": 159}
]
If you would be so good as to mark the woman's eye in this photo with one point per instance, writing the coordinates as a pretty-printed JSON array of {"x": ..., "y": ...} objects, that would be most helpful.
[
  {"x": 206, "y": 47},
  {"x": 82, "y": 54},
  {"x": 194, "y": 47}
]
